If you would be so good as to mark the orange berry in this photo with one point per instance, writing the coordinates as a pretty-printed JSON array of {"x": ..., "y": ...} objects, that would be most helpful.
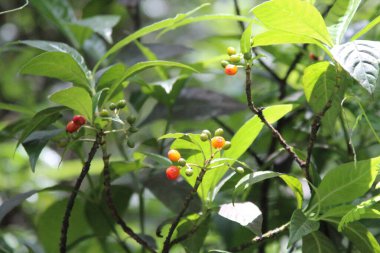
[
  {"x": 218, "y": 142},
  {"x": 172, "y": 173},
  {"x": 174, "y": 155},
  {"x": 231, "y": 69}
]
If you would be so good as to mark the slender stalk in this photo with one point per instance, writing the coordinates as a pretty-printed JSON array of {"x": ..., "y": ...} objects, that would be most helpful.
[
  {"x": 74, "y": 193},
  {"x": 111, "y": 204},
  {"x": 258, "y": 239}
]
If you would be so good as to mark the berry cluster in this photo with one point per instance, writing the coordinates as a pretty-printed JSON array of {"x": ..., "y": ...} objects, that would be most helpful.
[
  {"x": 75, "y": 123},
  {"x": 231, "y": 65},
  {"x": 172, "y": 172},
  {"x": 115, "y": 107},
  {"x": 217, "y": 141}
]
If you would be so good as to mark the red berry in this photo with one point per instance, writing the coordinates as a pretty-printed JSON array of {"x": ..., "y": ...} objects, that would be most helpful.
[
  {"x": 172, "y": 173},
  {"x": 71, "y": 127},
  {"x": 174, "y": 155},
  {"x": 79, "y": 120},
  {"x": 231, "y": 69},
  {"x": 218, "y": 142}
]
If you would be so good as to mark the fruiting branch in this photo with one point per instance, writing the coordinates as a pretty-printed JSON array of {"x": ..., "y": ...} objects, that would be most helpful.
[
  {"x": 74, "y": 193},
  {"x": 111, "y": 204}
]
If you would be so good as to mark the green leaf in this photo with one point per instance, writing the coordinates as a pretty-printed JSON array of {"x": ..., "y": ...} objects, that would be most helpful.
[
  {"x": 294, "y": 17},
  {"x": 245, "y": 41},
  {"x": 346, "y": 183},
  {"x": 151, "y": 56},
  {"x": 300, "y": 226},
  {"x": 338, "y": 211},
  {"x": 57, "y": 65},
  {"x": 80, "y": 32},
  {"x": 16, "y": 108},
  {"x": 52, "y": 46},
  {"x": 246, "y": 134},
  {"x": 110, "y": 76},
  {"x": 360, "y": 236},
  {"x": 319, "y": 83},
  {"x": 101, "y": 24},
  {"x": 259, "y": 176},
  {"x": 246, "y": 214},
  {"x": 35, "y": 142},
  {"x": 273, "y": 37},
  {"x": 339, "y": 17},
  {"x": 316, "y": 242},
  {"x": 172, "y": 136},
  {"x": 195, "y": 242},
  {"x": 75, "y": 98},
  {"x": 361, "y": 60},
  {"x": 363, "y": 210},
  {"x": 42, "y": 119},
  {"x": 368, "y": 27}
]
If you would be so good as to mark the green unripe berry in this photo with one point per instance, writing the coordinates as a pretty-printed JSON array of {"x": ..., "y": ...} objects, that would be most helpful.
[
  {"x": 224, "y": 63},
  {"x": 112, "y": 106},
  {"x": 121, "y": 104},
  {"x": 207, "y": 132},
  {"x": 189, "y": 172},
  {"x": 104, "y": 113},
  {"x": 204, "y": 137},
  {"x": 133, "y": 129},
  {"x": 240, "y": 170},
  {"x": 227, "y": 145},
  {"x": 131, "y": 119},
  {"x": 130, "y": 143},
  {"x": 235, "y": 58},
  {"x": 231, "y": 50},
  {"x": 248, "y": 56},
  {"x": 219, "y": 132},
  {"x": 181, "y": 162}
]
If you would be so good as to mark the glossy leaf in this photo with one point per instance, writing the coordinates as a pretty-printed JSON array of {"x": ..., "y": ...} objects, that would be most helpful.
[
  {"x": 42, "y": 119},
  {"x": 346, "y": 183},
  {"x": 295, "y": 17},
  {"x": 273, "y": 37},
  {"x": 101, "y": 24},
  {"x": 35, "y": 142},
  {"x": 259, "y": 176},
  {"x": 75, "y": 98},
  {"x": 246, "y": 214},
  {"x": 361, "y": 60},
  {"x": 320, "y": 85},
  {"x": 300, "y": 226},
  {"x": 368, "y": 27},
  {"x": 316, "y": 242},
  {"x": 52, "y": 46},
  {"x": 339, "y": 17},
  {"x": 245, "y": 41},
  {"x": 56, "y": 65},
  {"x": 246, "y": 134}
]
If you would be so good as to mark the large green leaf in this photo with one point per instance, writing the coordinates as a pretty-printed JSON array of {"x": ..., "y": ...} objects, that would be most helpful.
[
  {"x": 368, "y": 27},
  {"x": 246, "y": 214},
  {"x": 75, "y": 98},
  {"x": 52, "y": 46},
  {"x": 294, "y": 17},
  {"x": 195, "y": 242},
  {"x": 35, "y": 142},
  {"x": 246, "y": 134},
  {"x": 57, "y": 65},
  {"x": 273, "y": 37},
  {"x": 339, "y": 17},
  {"x": 360, "y": 236},
  {"x": 42, "y": 119},
  {"x": 316, "y": 242},
  {"x": 346, "y": 183},
  {"x": 319, "y": 83},
  {"x": 259, "y": 176},
  {"x": 361, "y": 60},
  {"x": 101, "y": 24},
  {"x": 245, "y": 41},
  {"x": 300, "y": 226}
]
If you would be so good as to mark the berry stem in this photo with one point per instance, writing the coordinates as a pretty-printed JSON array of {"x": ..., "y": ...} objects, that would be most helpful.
[
  {"x": 111, "y": 204},
  {"x": 74, "y": 193}
]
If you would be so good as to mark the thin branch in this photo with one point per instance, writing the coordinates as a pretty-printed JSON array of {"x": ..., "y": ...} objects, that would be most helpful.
[
  {"x": 111, "y": 204},
  {"x": 238, "y": 12},
  {"x": 185, "y": 236},
  {"x": 190, "y": 196},
  {"x": 16, "y": 9},
  {"x": 259, "y": 113},
  {"x": 258, "y": 239},
  {"x": 74, "y": 193}
]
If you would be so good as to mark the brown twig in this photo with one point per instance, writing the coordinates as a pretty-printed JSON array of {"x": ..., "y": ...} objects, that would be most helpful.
[
  {"x": 111, "y": 204},
  {"x": 258, "y": 239},
  {"x": 74, "y": 193}
]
